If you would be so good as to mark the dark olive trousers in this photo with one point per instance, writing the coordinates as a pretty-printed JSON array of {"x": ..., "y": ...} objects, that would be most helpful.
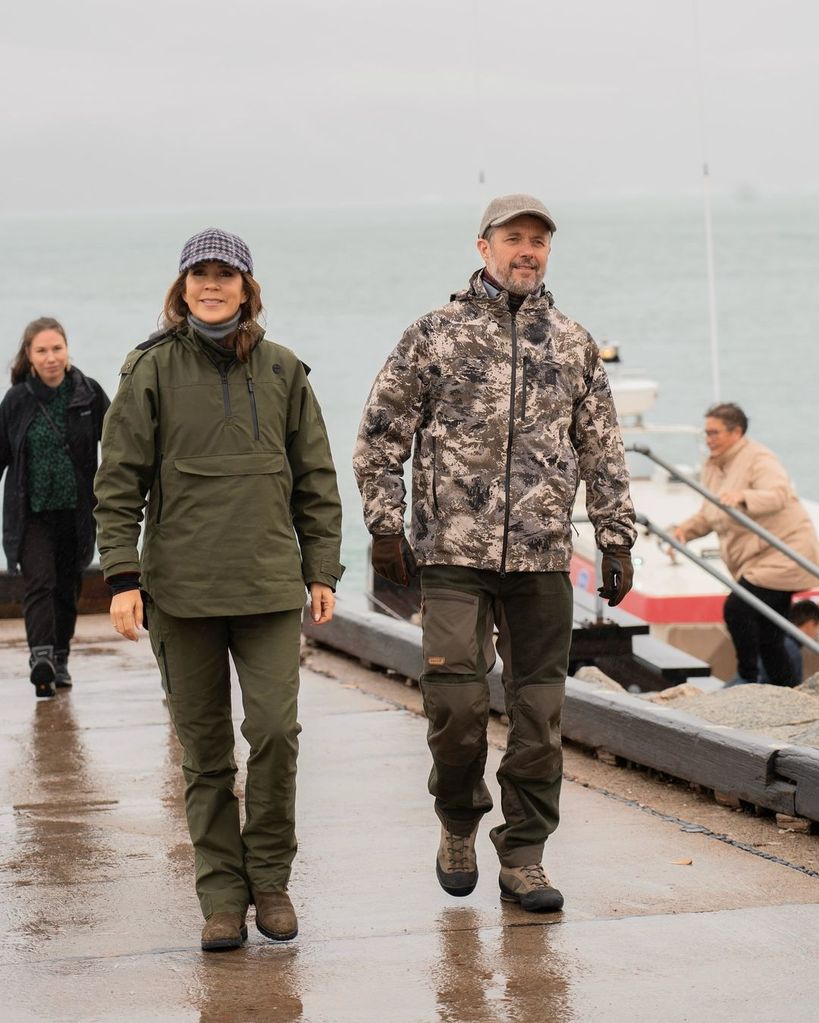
[
  {"x": 533, "y": 615},
  {"x": 192, "y": 654}
]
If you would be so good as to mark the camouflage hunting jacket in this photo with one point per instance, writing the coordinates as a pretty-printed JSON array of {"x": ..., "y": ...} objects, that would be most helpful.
[{"x": 504, "y": 416}]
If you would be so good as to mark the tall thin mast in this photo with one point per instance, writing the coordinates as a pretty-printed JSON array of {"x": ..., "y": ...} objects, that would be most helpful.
[{"x": 709, "y": 236}]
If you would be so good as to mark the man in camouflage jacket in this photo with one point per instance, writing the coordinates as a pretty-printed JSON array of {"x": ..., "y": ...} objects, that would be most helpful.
[{"x": 505, "y": 406}]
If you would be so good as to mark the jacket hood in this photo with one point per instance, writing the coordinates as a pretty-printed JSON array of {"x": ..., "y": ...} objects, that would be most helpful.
[{"x": 83, "y": 392}]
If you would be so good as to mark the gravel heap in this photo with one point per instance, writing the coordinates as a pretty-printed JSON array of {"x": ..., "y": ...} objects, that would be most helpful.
[
  {"x": 789, "y": 714},
  {"x": 770, "y": 710}
]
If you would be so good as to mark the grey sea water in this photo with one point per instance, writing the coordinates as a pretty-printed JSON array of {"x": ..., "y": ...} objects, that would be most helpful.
[{"x": 340, "y": 285}]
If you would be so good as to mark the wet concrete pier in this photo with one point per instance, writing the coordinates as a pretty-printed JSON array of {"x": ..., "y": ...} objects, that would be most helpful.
[{"x": 100, "y": 922}]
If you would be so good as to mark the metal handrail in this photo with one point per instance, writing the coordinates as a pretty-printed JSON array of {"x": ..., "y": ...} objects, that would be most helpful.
[
  {"x": 740, "y": 591},
  {"x": 384, "y": 607},
  {"x": 738, "y": 516}
]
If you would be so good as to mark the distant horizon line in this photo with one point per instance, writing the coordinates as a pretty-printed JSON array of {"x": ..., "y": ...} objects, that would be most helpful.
[{"x": 741, "y": 194}]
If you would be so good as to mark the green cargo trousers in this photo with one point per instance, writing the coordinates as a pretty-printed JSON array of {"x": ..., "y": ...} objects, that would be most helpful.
[
  {"x": 533, "y": 614},
  {"x": 192, "y": 654}
]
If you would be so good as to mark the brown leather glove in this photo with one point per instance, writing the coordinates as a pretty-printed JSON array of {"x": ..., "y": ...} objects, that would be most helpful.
[
  {"x": 618, "y": 574},
  {"x": 393, "y": 559}
]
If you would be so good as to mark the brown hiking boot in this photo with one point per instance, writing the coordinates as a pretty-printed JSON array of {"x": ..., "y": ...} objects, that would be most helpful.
[
  {"x": 223, "y": 931},
  {"x": 456, "y": 865},
  {"x": 275, "y": 916},
  {"x": 530, "y": 887}
]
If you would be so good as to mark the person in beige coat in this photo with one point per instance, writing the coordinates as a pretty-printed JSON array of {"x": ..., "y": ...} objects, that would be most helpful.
[{"x": 748, "y": 476}]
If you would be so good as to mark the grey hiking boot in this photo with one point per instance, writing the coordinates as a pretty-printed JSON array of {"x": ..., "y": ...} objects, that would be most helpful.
[
  {"x": 223, "y": 931},
  {"x": 63, "y": 680},
  {"x": 531, "y": 887},
  {"x": 456, "y": 865},
  {"x": 43, "y": 672},
  {"x": 275, "y": 916}
]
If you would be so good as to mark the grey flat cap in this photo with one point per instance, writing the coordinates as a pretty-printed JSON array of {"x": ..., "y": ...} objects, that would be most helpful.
[
  {"x": 213, "y": 243},
  {"x": 507, "y": 207}
]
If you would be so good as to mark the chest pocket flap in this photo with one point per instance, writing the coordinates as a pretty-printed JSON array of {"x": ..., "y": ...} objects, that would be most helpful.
[{"x": 251, "y": 463}]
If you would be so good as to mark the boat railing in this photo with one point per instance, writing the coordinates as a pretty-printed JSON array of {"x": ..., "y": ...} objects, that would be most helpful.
[
  {"x": 743, "y": 594},
  {"x": 734, "y": 513},
  {"x": 745, "y": 521},
  {"x": 749, "y": 598}
]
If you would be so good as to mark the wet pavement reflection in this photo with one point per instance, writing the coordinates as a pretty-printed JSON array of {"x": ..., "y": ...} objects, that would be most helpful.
[
  {"x": 258, "y": 984},
  {"x": 100, "y": 922},
  {"x": 499, "y": 975},
  {"x": 61, "y": 853}
]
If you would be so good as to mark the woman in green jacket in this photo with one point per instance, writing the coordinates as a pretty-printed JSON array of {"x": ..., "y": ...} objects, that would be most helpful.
[{"x": 217, "y": 431}]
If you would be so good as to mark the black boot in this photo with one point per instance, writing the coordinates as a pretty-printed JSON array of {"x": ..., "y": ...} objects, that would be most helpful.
[
  {"x": 43, "y": 672},
  {"x": 63, "y": 679}
]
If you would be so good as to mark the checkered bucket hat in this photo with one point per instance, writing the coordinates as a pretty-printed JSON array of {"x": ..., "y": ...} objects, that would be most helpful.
[{"x": 215, "y": 244}]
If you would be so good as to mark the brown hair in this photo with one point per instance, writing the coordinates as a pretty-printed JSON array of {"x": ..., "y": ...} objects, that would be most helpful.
[
  {"x": 21, "y": 367},
  {"x": 729, "y": 414},
  {"x": 175, "y": 313}
]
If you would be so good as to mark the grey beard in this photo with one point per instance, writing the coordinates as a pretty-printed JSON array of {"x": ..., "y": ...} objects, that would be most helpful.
[{"x": 521, "y": 287}]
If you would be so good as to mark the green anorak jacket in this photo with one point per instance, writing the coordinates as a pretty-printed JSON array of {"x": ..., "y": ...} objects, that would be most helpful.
[
  {"x": 242, "y": 504},
  {"x": 504, "y": 415}
]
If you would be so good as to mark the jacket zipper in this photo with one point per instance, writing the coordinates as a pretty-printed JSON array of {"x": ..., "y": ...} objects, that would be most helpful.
[
  {"x": 160, "y": 495},
  {"x": 508, "y": 483},
  {"x": 435, "y": 474},
  {"x": 225, "y": 392},
  {"x": 524, "y": 385},
  {"x": 253, "y": 409}
]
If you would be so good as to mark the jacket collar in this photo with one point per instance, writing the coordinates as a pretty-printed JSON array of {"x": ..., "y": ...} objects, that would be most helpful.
[
  {"x": 81, "y": 393},
  {"x": 216, "y": 353},
  {"x": 728, "y": 456},
  {"x": 476, "y": 291}
]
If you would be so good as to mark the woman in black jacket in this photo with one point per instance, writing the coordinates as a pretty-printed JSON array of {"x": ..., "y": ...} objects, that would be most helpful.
[{"x": 50, "y": 426}]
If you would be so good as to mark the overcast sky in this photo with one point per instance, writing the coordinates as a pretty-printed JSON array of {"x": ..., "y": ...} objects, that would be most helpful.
[{"x": 132, "y": 104}]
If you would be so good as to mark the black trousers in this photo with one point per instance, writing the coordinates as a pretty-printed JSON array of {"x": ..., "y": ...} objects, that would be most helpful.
[
  {"x": 755, "y": 638},
  {"x": 51, "y": 578}
]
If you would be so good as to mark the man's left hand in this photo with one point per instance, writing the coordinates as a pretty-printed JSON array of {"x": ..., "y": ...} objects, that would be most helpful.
[{"x": 618, "y": 574}]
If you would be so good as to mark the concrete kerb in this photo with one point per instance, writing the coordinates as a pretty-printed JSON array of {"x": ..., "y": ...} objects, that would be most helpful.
[{"x": 775, "y": 775}]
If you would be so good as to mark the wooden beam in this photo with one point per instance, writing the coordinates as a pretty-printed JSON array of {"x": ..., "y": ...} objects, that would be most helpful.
[
  {"x": 95, "y": 597},
  {"x": 766, "y": 772}
]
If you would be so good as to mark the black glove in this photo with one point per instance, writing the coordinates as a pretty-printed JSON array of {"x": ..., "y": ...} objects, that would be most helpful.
[
  {"x": 618, "y": 574},
  {"x": 393, "y": 559}
]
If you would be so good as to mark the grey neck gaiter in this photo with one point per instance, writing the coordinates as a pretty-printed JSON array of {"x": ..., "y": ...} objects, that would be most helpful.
[{"x": 214, "y": 331}]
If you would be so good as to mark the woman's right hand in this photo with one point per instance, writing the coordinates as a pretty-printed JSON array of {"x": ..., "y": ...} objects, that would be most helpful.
[
  {"x": 126, "y": 613},
  {"x": 666, "y": 548}
]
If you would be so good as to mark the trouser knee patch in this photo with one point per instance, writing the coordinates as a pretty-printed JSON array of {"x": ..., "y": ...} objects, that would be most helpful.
[
  {"x": 458, "y": 713},
  {"x": 534, "y": 746}
]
